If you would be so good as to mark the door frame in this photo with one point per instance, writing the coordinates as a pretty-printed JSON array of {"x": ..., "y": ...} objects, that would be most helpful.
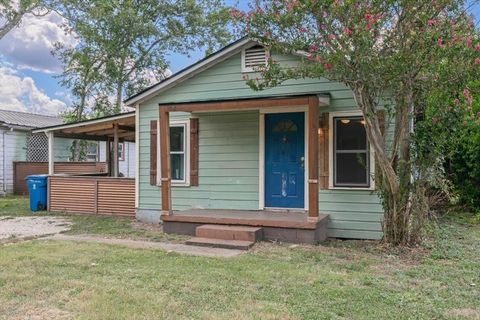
[{"x": 261, "y": 153}]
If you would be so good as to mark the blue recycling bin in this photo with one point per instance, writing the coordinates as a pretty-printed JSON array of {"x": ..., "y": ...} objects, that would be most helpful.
[{"x": 37, "y": 189}]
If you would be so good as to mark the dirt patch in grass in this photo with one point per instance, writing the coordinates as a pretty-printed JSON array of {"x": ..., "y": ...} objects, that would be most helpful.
[
  {"x": 147, "y": 226},
  {"x": 466, "y": 313},
  {"x": 18, "y": 228},
  {"x": 35, "y": 312}
]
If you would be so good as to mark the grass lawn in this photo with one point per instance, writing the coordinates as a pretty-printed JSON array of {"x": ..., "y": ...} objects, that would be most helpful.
[{"x": 337, "y": 280}]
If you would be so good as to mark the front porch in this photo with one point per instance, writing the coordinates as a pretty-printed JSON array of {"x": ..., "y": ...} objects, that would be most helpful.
[{"x": 287, "y": 226}]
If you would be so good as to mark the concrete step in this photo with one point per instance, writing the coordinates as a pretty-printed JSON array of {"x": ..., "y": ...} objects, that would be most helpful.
[
  {"x": 226, "y": 232},
  {"x": 220, "y": 243}
]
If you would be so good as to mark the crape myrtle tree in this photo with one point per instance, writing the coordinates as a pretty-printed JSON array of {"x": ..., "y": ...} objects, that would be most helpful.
[{"x": 390, "y": 54}]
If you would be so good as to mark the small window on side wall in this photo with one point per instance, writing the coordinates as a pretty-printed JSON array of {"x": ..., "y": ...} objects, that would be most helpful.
[
  {"x": 121, "y": 151},
  {"x": 351, "y": 156},
  {"x": 177, "y": 152},
  {"x": 92, "y": 153}
]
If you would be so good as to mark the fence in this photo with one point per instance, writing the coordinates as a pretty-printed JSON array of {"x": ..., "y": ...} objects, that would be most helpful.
[
  {"x": 21, "y": 169},
  {"x": 92, "y": 195}
]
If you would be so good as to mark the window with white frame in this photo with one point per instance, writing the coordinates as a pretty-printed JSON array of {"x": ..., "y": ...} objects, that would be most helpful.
[
  {"x": 178, "y": 146},
  {"x": 121, "y": 151},
  {"x": 351, "y": 155},
  {"x": 92, "y": 152}
]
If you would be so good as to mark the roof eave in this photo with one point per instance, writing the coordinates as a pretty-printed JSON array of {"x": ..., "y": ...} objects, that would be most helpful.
[{"x": 84, "y": 122}]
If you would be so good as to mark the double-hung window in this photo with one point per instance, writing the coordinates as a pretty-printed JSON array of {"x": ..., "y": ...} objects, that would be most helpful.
[
  {"x": 351, "y": 155},
  {"x": 92, "y": 153},
  {"x": 178, "y": 146}
]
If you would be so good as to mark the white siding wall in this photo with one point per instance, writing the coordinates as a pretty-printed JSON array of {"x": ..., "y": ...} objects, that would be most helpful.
[{"x": 13, "y": 150}]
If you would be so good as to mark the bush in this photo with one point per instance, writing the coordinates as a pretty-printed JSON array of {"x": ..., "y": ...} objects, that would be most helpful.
[{"x": 449, "y": 133}]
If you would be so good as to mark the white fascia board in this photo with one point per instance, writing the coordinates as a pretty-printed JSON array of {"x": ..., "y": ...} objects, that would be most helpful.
[{"x": 83, "y": 123}]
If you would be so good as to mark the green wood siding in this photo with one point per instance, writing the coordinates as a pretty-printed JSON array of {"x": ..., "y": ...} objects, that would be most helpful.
[
  {"x": 229, "y": 156},
  {"x": 228, "y": 164}
]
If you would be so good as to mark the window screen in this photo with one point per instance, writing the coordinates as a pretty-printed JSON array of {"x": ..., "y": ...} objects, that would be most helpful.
[
  {"x": 177, "y": 152},
  {"x": 351, "y": 153}
]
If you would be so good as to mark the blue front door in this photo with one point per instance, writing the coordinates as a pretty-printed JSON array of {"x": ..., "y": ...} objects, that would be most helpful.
[{"x": 284, "y": 160}]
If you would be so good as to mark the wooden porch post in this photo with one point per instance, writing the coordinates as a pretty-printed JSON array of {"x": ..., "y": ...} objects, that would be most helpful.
[
  {"x": 51, "y": 156},
  {"x": 165, "y": 161},
  {"x": 313, "y": 158},
  {"x": 108, "y": 159},
  {"x": 115, "y": 150}
]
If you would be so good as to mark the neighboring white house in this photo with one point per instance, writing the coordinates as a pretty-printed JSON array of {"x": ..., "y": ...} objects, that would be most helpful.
[{"x": 17, "y": 143}]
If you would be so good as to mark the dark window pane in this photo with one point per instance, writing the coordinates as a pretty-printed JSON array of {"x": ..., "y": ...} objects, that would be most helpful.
[
  {"x": 177, "y": 168},
  {"x": 351, "y": 169},
  {"x": 176, "y": 138},
  {"x": 350, "y": 134}
]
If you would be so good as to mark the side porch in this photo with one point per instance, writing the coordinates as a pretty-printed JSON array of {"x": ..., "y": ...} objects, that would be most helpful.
[{"x": 101, "y": 193}]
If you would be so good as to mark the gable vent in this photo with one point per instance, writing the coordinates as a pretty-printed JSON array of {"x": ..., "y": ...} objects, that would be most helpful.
[{"x": 253, "y": 58}]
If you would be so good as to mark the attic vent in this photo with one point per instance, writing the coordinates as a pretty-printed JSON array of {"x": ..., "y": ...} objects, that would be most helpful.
[{"x": 253, "y": 58}]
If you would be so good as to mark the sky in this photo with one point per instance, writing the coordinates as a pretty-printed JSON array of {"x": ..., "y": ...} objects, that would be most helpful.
[{"x": 29, "y": 72}]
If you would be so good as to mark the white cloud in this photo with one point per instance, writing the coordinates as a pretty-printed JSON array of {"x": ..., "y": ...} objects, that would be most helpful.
[
  {"x": 21, "y": 94},
  {"x": 29, "y": 46}
]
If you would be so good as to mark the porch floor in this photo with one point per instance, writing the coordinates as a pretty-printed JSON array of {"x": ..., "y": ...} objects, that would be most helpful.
[
  {"x": 258, "y": 218},
  {"x": 289, "y": 226}
]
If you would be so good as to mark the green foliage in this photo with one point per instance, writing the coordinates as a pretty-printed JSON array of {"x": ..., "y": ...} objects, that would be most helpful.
[
  {"x": 123, "y": 45},
  {"x": 450, "y": 135},
  {"x": 12, "y": 12}
]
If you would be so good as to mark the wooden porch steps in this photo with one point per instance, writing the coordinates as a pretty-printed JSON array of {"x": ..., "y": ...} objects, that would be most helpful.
[
  {"x": 226, "y": 236},
  {"x": 226, "y": 232}
]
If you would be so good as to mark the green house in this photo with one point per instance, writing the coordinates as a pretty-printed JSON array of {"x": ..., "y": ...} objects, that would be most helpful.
[{"x": 292, "y": 159}]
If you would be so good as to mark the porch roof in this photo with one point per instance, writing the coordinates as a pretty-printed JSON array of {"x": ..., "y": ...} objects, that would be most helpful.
[{"x": 100, "y": 129}]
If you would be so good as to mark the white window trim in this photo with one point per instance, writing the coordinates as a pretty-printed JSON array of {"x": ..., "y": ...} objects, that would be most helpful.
[
  {"x": 97, "y": 153},
  {"x": 331, "y": 155},
  {"x": 121, "y": 158},
  {"x": 261, "y": 152},
  {"x": 137, "y": 155},
  {"x": 249, "y": 69},
  {"x": 186, "y": 181}
]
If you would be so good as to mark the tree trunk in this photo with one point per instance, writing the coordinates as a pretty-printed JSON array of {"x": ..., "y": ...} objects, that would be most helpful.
[
  {"x": 77, "y": 148},
  {"x": 118, "y": 98},
  {"x": 392, "y": 180},
  {"x": 10, "y": 24}
]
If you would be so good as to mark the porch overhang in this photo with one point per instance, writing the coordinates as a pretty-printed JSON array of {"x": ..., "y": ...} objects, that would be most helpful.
[
  {"x": 100, "y": 129},
  {"x": 116, "y": 128},
  {"x": 322, "y": 100}
]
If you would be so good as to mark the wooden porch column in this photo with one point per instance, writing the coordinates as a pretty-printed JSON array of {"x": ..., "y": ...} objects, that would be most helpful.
[
  {"x": 115, "y": 150},
  {"x": 165, "y": 161},
  {"x": 313, "y": 158},
  {"x": 108, "y": 158},
  {"x": 51, "y": 156}
]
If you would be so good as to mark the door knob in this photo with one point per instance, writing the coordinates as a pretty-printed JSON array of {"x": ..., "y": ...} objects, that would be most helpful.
[{"x": 302, "y": 161}]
